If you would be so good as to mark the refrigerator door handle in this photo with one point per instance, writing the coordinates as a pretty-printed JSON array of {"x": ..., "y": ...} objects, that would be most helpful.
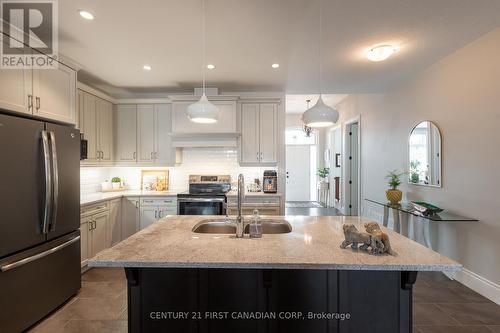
[
  {"x": 48, "y": 183},
  {"x": 40, "y": 255},
  {"x": 55, "y": 180}
]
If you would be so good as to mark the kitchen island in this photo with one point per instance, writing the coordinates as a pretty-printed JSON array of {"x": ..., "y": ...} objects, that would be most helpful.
[{"x": 301, "y": 281}]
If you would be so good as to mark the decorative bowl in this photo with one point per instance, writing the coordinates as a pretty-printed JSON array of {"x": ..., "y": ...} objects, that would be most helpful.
[{"x": 426, "y": 208}]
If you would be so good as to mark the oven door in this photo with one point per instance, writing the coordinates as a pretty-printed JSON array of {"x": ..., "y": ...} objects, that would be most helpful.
[{"x": 201, "y": 206}]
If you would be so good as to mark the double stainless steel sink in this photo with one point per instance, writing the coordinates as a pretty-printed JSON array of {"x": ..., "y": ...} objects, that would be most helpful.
[{"x": 220, "y": 226}]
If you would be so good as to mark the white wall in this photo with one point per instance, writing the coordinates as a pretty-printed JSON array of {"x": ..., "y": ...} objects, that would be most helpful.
[{"x": 461, "y": 94}]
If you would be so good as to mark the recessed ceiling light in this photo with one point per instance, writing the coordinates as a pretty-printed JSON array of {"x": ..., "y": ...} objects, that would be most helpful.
[
  {"x": 275, "y": 66},
  {"x": 146, "y": 67},
  {"x": 210, "y": 66},
  {"x": 86, "y": 15},
  {"x": 380, "y": 53}
]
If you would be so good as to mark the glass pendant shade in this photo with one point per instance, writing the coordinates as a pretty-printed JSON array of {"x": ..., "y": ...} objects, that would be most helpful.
[
  {"x": 320, "y": 115},
  {"x": 203, "y": 111}
]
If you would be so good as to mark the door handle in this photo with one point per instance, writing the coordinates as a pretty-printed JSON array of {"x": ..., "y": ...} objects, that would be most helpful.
[
  {"x": 55, "y": 181},
  {"x": 48, "y": 183},
  {"x": 30, "y": 102},
  {"x": 40, "y": 255},
  {"x": 152, "y": 156},
  {"x": 156, "y": 214},
  {"x": 37, "y": 101},
  {"x": 134, "y": 156}
]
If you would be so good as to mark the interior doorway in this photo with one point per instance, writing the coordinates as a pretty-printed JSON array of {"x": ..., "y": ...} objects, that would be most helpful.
[
  {"x": 301, "y": 165},
  {"x": 352, "y": 168}
]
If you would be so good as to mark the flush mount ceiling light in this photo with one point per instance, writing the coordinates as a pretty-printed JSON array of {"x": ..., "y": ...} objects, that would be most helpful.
[
  {"x": 203, "y": 111},
  {"x": 320, "y": 115},
  {"x": 275, "y": 66},
  {"x": 210, "y": 66},
  {"x": 380, "y": 53},
  {"x": 146, "y": 67},
  {"x": 86, "y": 15}
]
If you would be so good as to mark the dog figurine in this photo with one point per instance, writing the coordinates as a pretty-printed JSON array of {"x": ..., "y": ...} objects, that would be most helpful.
[
  {"x": 379, "y": 240},
  {"x": 353, "y": 237}
]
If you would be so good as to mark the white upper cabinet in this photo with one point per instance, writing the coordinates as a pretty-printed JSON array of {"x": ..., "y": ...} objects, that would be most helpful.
[
  {"x": 146, "y": 132},
  {"x": 44, "y": 93},
  {"x": 182, "y": 125},
  {"x": 15, "y": 90},
  {"x": 104, "y": 130},
  {"x": 143, "y": 135},
  {"x": 126, "y": 133},
  {"x": 54, "y": 93},
  {"x": 259, "y": 134},
  {"x": 268, "y": 133},
  {"x": 88, "y": 126},
  {"x": 249, "y": 148},
  {"x": 96, "y": 124}
]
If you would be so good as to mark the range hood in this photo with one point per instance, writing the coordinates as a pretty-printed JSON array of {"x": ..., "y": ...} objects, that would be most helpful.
[{"x": 203, "y": 140}]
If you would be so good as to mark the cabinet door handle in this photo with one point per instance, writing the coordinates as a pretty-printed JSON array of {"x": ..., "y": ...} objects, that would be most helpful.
[
  {"x": 134, "y": 155},
  {"x": 152, "y": 155},
  {"x": 137, "y": 204},
  {"x": 37, "y": 101},
  {"x": 30, "y": 102},
  {"x": 159, "y": 214},
  {"x": 156, "y": 214}
]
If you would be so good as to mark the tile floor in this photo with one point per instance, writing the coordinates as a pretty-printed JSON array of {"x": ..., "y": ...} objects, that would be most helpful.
[{"x": 440, "y": 306}]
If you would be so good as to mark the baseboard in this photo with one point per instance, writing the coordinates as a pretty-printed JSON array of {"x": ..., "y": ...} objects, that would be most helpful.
[{"x": 477, "y": 283}]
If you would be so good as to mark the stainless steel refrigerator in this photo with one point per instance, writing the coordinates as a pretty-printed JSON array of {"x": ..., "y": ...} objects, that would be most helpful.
[{"x": 39, "y": 219}]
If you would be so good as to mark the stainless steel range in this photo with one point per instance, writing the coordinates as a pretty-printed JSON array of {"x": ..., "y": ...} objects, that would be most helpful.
[{"x": 206, "y": 195}]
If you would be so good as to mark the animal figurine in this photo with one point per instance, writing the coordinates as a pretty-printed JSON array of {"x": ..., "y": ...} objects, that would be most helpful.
[
  {"x": 379, "y": 240},
  {"x": 354, "y": 237}
]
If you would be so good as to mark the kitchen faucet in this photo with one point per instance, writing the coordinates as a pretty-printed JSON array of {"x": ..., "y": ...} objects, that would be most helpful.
[{"x": 240, "y": 222}]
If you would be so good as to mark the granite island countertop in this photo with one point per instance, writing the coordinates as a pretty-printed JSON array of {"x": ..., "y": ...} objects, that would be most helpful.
[{"x": 312, "y": 244}]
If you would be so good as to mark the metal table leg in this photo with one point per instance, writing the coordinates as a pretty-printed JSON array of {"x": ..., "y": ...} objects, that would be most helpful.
[
  {"x": 404, "y": 224},
  {"x": 386, "y": 216},
  {"x": 395, "y": 217},
  {"x": 427, "y": 233}
]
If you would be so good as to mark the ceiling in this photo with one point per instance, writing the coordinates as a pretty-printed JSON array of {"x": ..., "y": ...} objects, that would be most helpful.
[{"x": 245, "y": 37}]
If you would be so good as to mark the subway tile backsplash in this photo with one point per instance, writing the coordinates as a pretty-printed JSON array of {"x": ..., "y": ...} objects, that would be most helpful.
[{"x": 195, "y": 161}]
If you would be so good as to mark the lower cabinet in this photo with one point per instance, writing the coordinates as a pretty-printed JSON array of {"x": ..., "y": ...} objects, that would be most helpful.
[
  {"x": 114, "y": 228},
  {"x": 130, "y": 216},
  {"x": 265, "y": 205},
  {"x": 93, "y": 230},
  {"x": 153, "y": 209}
]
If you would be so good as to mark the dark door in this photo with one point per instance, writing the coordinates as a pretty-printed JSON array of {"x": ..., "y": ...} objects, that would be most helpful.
[
  {"x": 66, "y": 217},
  {"x": 37, "y": 281},
  {"x": 22, "y": 184}
]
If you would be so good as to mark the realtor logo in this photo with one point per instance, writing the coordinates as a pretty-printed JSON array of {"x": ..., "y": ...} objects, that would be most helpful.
[{"x": 29, "y": 38}]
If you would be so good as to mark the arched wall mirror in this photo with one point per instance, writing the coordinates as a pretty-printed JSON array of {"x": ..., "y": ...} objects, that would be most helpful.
[{"x": 424, "y": 155}]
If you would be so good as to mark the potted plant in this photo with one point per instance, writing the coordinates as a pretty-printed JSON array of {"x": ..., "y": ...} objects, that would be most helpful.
[
  {"x": 116, "y": 182},
  {"x": 323, "y": 174},
  {"x": 393, "y": 194},
  {"x": 414, "y": 175}
]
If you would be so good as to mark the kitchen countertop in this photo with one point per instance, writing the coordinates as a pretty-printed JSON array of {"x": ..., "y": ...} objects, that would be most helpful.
[
  {"x": 86, "y": 199},
  {"x": 312, "y": 244},
  {"x": 233, "y": 193}
]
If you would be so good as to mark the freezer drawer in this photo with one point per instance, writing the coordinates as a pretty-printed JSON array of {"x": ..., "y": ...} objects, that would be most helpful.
[{"x": 35, "y": 282}]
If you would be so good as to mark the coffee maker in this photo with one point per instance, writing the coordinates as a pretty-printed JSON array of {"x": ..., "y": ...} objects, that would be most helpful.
[{"x": 270, "y": 181}]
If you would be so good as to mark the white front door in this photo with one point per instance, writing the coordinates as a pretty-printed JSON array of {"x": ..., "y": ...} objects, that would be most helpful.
[{"x": 298, "y": 172}]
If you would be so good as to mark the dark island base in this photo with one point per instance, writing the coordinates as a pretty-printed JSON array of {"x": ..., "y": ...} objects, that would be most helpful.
[{"x": 219, "y": 300}]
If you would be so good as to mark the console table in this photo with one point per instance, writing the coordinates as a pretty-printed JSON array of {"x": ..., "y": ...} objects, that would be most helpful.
[{"x": 402, "y": 211}]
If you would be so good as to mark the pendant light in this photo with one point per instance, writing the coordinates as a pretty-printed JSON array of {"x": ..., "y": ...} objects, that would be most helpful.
[
  {"x": 306, "y": 128},
  {"x": 203, "y": 111},
  {"x": 320, "y": 115}
]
